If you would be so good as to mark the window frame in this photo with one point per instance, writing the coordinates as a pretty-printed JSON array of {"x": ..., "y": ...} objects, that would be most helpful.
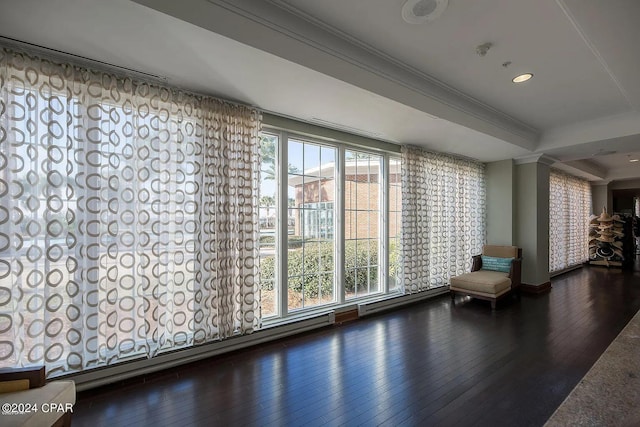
[{"x": 282, "y": 311}]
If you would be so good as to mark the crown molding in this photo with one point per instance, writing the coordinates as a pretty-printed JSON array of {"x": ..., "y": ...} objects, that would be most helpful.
[{"x": 535, "y": 158}]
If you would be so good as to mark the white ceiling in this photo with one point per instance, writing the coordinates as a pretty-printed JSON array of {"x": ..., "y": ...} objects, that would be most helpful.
[
  {"x": 357, "y": 65},
  {"x": 534, "y": 35}
]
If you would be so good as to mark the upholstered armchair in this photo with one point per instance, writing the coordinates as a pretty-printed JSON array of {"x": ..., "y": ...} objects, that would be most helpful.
[
  {"x": 27, "y": 399},
  {"x": 494, "y": 274}
]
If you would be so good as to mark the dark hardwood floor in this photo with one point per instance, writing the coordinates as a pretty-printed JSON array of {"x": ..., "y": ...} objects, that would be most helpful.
[{"x": 427, "y": 364}]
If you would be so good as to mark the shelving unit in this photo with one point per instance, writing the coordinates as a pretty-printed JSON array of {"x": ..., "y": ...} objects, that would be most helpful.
[{"x": 606, "y": 240}]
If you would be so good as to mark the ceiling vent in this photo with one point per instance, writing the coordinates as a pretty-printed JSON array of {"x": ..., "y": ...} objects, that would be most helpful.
[{"x": 421, "y": 11}]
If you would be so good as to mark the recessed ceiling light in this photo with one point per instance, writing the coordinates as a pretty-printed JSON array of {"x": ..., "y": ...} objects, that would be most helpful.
[
  {"x": 634, "y": 160},
  {"x": 522, "y": 78}
]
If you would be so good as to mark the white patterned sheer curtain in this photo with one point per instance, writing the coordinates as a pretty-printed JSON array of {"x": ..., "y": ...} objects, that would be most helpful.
[
  {"x": 443, "y": 217},
  {"x": 127, "y": 217},
  {"x": 569, "y": 211}
]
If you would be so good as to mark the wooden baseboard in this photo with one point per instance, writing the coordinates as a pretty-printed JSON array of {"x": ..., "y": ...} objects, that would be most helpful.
[
  {"x": 535, "y": 289},
  {"x": 346, "y": 316}
]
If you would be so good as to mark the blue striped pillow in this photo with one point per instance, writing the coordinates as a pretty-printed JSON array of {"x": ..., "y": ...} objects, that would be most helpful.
[{"x": 496, "y": 264}]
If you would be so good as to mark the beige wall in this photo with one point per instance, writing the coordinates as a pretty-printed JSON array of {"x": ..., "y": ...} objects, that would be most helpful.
[
  {"x": 599, "y": 198},
  {"x": 518, "y": 214},
  {"x": 500, "y": 202},
  {"x": 532, "y": 221}
]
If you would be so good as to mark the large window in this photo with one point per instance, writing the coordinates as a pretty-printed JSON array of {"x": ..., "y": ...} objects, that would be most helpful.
[
  {"x": 268, "y": 220},
  {"x": 130, "y": 212},
  {"x": 569, "y": 210},
  {"x": 125, "y": 208},
  {"x": 395, "y": 222},
  {"x": 333, "y": 194},
  {"x": 443, "y": 218},
  {"x": 311, "y": 183},
  {"x": 363, "y": 220}
]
